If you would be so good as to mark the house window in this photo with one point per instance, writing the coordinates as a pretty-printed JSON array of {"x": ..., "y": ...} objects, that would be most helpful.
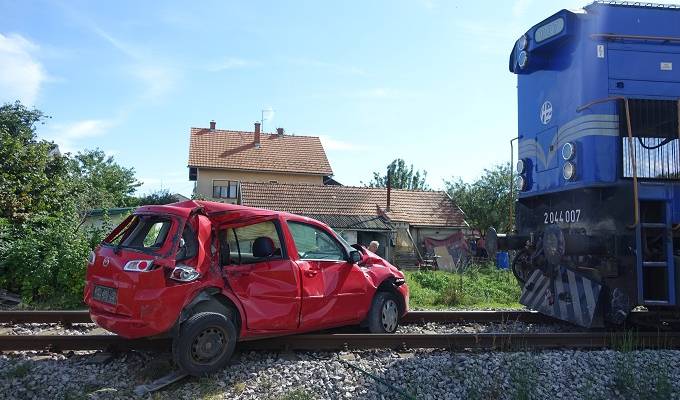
[{"x": 223, "y": 189}]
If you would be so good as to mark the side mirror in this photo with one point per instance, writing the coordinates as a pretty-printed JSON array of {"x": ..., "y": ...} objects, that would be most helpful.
[{"x": 354, "y": 256}]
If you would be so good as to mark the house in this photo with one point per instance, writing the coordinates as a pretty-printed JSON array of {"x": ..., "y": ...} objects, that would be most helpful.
[
  {"x": 219, "y": 160},
  {"x": 404, "y": 222}
]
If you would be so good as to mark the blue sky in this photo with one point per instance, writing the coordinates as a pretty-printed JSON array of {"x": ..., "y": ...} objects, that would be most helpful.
[{"x": 422, "y": 80}]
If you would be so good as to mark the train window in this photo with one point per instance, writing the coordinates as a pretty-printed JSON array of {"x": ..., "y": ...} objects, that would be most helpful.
[{"x": 655, "y": 143}]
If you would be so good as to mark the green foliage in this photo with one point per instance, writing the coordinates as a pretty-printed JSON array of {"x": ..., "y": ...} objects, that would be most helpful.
[
  {"x": 158, "y": 197},
  {"x": 107, "y": 183},
  {"x": 402, "y": 177},
  {"x": 44, "y": 197},
  {"x": 476, "y": 287},
  {"x": 487, "y": 201}
]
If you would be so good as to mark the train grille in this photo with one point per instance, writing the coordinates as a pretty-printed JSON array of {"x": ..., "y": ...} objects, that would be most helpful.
[{"x": 655, "y": 139}]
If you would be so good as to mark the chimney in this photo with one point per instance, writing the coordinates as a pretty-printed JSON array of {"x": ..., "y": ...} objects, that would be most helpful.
[
  {"x": 212, "y": 125},
  {"x": 257, "y": 135},
  {"x": 389, "y": 189},
  {"x": 279, "y": 131}
]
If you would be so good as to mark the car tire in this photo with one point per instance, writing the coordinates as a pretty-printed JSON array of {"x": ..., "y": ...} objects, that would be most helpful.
[
  {"x": 205, "y": 343},
  {"x": 383, "y": 317}
]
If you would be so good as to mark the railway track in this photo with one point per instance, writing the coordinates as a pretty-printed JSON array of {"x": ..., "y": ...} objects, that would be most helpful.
[
  {"x": 357, "y": 341},
  {"x": 348, "y": 341},
  {"x": 82, "y": 316}
]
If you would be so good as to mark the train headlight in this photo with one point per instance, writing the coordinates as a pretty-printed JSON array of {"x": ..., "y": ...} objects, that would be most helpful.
[
  {"x": 521, "y": 166},
  {"x": 522, "y": 43},
  {"x": 521, "y": 182},
  {"x": 568, "y": 151},
  {"x": 522, "y": 59},
  {"x": 569, "y": 171}
]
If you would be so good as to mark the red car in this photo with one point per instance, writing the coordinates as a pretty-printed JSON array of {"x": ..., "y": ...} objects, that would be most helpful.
[{"x": 211, "y": 274}]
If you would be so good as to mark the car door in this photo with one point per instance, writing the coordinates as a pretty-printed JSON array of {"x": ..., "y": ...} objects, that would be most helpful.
[
  {"x": 261, "y": 275},
  {"x": 332, "y": 287}
]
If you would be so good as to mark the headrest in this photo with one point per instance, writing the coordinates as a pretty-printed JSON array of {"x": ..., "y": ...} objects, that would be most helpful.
[{"x": 263, "y": 247}]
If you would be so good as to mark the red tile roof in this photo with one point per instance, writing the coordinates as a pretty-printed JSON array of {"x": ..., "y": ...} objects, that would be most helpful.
[
  {"x": 418, "y": 208},
  {"x": 277, "y": 153}
]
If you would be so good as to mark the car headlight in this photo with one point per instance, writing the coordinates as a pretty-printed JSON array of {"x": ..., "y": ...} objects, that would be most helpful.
[
  {"x": 521, "y": 166},
  {"x": 521, "y": 182},
  {"x": 568, "y": 151},
  {"x": 522, "y": 59},
  {"x": 569, "y": 171},
  {"x": 522, "y": 42},
  {"x": 184, "y": 273}
]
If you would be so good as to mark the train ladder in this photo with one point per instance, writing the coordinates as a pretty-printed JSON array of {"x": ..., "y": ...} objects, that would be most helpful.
[{"x": 655, "y": 272}]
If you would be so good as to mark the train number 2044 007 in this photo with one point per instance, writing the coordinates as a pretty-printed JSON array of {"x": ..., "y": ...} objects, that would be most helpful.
[{"x": 568, "y": 216}]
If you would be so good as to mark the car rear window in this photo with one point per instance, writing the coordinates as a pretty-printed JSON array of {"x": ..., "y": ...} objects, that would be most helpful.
[{"x": 143, "y": 233}]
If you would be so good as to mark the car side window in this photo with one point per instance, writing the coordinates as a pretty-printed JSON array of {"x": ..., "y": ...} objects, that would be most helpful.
[
  {"x": 315, "y": 244},
  {"x": 250, "y": 244},
  {"x": 188, "y": 244}
]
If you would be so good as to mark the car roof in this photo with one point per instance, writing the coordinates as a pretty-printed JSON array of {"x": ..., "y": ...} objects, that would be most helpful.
[{"x": 220, "y": 212}]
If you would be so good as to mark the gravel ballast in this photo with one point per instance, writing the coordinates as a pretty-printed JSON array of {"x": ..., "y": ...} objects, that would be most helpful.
[{"x": 420, "y": 374}]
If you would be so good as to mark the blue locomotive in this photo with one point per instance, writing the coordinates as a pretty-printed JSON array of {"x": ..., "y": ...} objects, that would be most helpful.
[{"x": 598, "y": 170}]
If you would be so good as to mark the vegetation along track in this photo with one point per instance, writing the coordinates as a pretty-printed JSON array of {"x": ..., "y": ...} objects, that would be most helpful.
[{"x": 341, "y": 341}]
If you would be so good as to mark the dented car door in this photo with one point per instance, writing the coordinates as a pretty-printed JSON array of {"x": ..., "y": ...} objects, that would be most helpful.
[{"x": 260, "y": 273}]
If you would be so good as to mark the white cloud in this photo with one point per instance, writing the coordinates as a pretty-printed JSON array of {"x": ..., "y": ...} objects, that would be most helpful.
[
  {"x": 68, "y": 135},
  {"x": 21, "y": 75},
  {"x": 334, "y": 144}
]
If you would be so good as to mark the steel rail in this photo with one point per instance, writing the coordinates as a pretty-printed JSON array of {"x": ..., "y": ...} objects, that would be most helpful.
[
  {"x": 328, "y": 342},
  {"x": 413, "y": 317}
]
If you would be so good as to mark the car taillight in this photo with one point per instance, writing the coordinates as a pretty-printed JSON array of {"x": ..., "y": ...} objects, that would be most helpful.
[
  {"x": 184, "y": 273},
  {"x": 138, "y": 266},
  {"x": 91, "y": 258}
]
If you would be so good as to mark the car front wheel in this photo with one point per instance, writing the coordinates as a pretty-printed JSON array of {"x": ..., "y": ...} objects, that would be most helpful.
[
  {"x": 205, "y": 343},
  {"x": 384, "y": 314}
]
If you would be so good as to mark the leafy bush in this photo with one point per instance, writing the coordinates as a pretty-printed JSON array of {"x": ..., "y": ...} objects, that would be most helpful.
[
  {"x": 44, "y": 197},
  {"x": 45, "y": 260}
]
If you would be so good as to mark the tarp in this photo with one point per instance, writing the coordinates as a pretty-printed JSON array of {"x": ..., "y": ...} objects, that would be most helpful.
[{"x": 451, "y": 250}]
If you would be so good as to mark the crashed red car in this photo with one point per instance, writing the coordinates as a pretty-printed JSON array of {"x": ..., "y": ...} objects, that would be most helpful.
[{"x": 210, "y": 274}]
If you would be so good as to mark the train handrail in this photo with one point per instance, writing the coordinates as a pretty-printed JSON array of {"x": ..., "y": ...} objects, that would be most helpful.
[
  {"x": 613, "y": 36},
  {"x": 631, "y": 150}
]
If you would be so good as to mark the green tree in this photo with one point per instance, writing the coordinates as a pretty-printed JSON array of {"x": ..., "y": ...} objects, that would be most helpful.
[
  {"x": 486, "y": 201},
  {"x": 43, "y": 197},
  {"x": 107, "y": 183},
  {"x": 402, "y": 177},
  {"x": 34, "y": 177},
  {"x": 158, "y": 197}
]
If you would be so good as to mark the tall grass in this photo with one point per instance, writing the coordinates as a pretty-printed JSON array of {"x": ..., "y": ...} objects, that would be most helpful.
[{"x": 474, "y": 287}]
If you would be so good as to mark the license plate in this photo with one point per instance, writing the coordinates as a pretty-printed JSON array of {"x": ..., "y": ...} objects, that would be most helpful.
[{"x": 105, "y": 294}]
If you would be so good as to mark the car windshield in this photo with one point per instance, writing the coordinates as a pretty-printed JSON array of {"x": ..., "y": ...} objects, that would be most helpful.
[{"x": 143, "y": 232}]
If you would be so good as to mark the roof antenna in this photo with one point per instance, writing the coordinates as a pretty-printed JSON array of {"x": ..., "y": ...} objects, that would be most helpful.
[{"x": 267, "y": 114}]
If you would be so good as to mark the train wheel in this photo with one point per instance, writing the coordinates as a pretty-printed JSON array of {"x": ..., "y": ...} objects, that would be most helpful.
[
  {"x": 205, "y": 343},
  {"x": 521, "y": 266}
]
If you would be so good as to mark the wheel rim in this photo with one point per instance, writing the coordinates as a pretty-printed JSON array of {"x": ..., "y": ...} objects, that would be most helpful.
[
  {"x": 390, "y": 315},
  {"x": 209, "y": 345}
]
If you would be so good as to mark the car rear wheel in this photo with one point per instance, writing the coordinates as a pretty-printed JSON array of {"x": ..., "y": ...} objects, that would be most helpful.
[
  {"x": 205, "y": 343},
  {"x": 384, "y": 314}
]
